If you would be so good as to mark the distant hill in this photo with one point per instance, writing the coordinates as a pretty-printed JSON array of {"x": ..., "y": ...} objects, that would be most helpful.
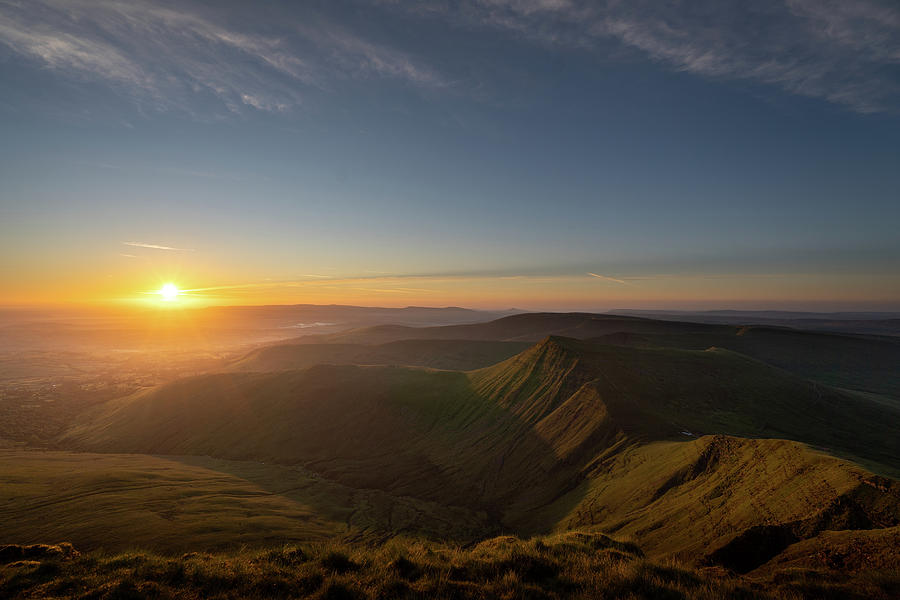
[
  {"x": 300, "y": 315},
  {"x": 657, "y": 444},
  {"x": 527, "y": 327},
  {"x": 873, "y": 323},
  {"x": 866, "y": 363},
  {"x": 459, "y": 355}
]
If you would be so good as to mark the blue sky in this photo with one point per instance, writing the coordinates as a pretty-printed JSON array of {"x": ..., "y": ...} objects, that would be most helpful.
[{"x": 488, "y": 153}]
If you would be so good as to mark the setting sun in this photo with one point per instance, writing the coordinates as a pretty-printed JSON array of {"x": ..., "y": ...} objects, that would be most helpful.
[{"x": 169, "y": 292}]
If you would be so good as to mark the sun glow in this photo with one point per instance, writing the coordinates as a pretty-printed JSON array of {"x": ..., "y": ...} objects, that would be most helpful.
[{"x": 169, "y": 292}]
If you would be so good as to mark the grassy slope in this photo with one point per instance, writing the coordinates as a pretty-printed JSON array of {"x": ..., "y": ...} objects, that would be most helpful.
[
  {"x": 847, "y": 550},
  {"x": 546, "y": 438},
  {"x": 689, "y": 499},
  {"x": 175, "y": 504},
  {"x": 457, "y": 355},
  {"x": 115, "y": 501},
  {"x": 407, "y": 431},
  {"x": 570, "y": 565}
]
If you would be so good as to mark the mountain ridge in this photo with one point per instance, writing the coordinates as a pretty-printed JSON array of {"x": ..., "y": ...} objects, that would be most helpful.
[{"x": 540, "y": 440}]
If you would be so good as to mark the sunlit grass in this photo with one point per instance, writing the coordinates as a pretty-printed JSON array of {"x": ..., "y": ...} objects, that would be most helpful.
[{"x": 569, "y": 565}]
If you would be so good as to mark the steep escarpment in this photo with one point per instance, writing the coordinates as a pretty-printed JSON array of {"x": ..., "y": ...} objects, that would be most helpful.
[{"x": 720, "y": 496}]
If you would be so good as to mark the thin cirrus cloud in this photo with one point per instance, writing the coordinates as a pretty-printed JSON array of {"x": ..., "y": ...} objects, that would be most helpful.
[
  {"x": 606, "y": 278},
  {"x": 167, "y": 55},
  {"x": 156, "y": 247},
  {"x": 844, "y": 51}
]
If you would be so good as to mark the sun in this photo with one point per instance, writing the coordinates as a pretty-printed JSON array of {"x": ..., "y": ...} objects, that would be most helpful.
[{"x": 169, "y": 292}]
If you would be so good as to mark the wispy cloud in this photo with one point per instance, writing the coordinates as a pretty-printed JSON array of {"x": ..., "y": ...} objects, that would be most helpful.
[
  {"x": 605, "y": 278},
  {"x": 156, "y": 246},
  {"x": 168, "y": 55},
  {"x": 843, "y": 51},
  {"x": 171, "y": 55}
]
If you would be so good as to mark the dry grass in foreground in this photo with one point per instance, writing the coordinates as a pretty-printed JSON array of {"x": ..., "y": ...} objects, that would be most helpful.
[{"x": 570, "y": 565}]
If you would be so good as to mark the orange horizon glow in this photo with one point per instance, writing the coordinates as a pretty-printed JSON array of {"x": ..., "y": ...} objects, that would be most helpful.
[{"x": 529, "y": 292}]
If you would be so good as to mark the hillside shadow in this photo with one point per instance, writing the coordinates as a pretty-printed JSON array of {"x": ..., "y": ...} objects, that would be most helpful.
[{"x": 436, "y": 458}]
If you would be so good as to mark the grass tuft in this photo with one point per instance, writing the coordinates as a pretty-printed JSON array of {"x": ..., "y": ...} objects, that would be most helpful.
[
  {"x": 338, "y": 562},
  {"x": 568, "y": 565}
]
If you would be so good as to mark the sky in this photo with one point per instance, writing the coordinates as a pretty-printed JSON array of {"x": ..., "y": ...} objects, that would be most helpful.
[{"x": 537, "y": 154}]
